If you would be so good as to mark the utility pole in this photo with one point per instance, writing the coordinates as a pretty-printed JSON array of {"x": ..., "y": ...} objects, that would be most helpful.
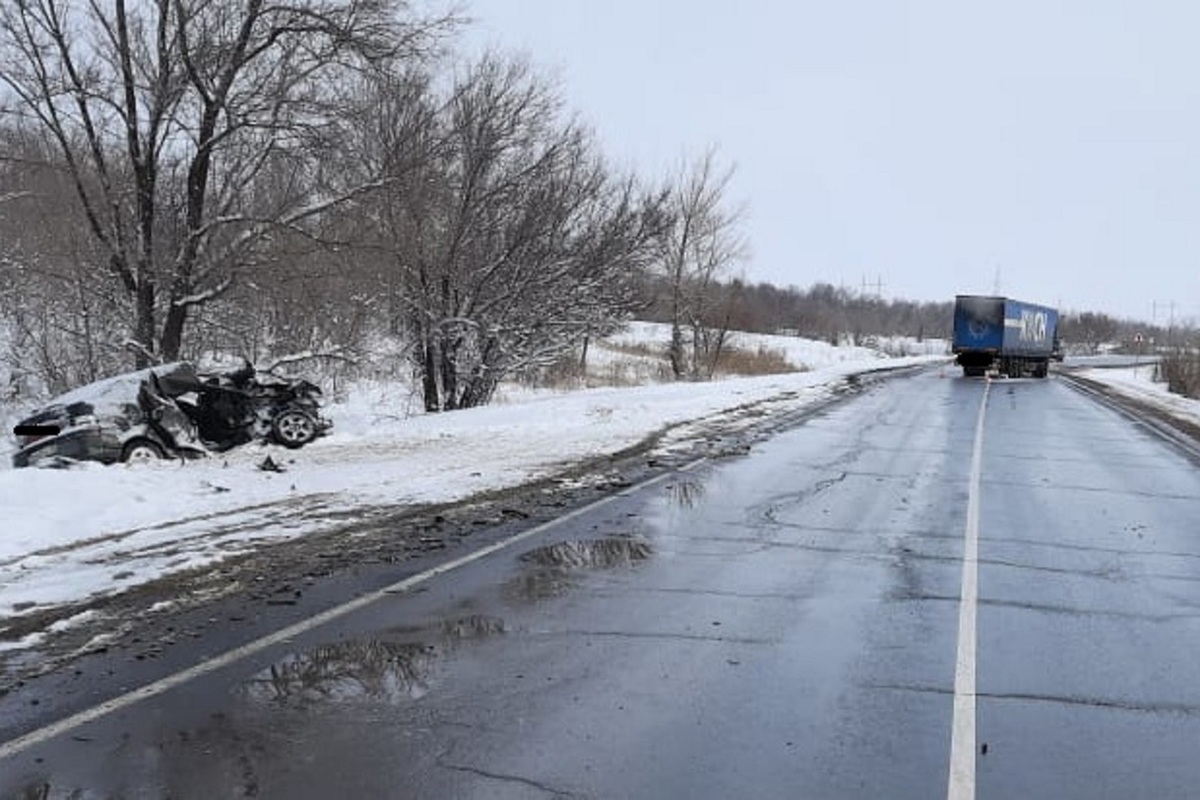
[
  {"x": 878, "y": 284},
  {"x": 1170, "y": 306}
]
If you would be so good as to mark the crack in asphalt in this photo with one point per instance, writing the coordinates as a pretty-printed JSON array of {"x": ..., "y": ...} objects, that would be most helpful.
[
  {"x": 1175, "y": 709},
  {"x": 770, "y": 510},
  {"x": 769, "y": 544},
  {"x": 1146, "y": 463},
  {"x": 876, "y": 533},
  {"x": 1048, "y": 608},
  {"x": 1087, "y": 548},
  {"x": 927, "y": 451},
  {"x": 924, "y": 598},
  {"x": 718, "y": 593},
  {"x": 1166, "y": 576},
  {"x": 1105, "y": 490},
  {"x": 683, "y": 637},
  {"x": 1111, "y": 574},
  {"x": 500, "y": 776},
  {"x": 776, "y": 544},
  {"x": 770, "y": 514},
  {"x": 914, "y": 689},
  {"x": 749, "y": 551},
  {"x": 906, "y": 478}
]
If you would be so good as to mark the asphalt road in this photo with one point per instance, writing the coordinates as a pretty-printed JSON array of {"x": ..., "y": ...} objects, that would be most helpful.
[{"x": 793, "y": 623}]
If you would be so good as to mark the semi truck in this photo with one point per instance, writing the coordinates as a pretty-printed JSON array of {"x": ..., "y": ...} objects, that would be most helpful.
[{"x": 1006, "y": 335}]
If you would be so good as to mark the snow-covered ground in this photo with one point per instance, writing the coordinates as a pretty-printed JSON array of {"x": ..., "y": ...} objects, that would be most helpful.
[
  {"x": 799, "y": 352},
  {"x": 1138, "y": 382},
  {"x": 69, "y": 534}
]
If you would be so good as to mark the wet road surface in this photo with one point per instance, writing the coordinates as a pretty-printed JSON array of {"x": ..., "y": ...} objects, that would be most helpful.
[{"x": 784, "y": 624}]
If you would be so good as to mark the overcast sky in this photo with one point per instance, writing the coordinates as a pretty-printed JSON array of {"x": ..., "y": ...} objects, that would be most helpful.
[{"x": 929, "y": 145}]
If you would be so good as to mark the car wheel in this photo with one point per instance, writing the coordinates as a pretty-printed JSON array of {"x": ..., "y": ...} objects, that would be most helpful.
[
  {"x": 294, "y": 428},
  {"x": 141, "y": 451}
]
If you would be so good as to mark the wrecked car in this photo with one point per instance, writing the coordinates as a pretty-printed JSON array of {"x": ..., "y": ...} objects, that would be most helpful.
[{"x": 170, "y": 410}]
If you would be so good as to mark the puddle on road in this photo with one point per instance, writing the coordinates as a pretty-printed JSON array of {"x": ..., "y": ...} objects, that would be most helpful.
[
  {"x": 475, "y": 626},
  {"x": 319, "y": 698},
  {"x": 541, "y": 584},
  {"x": 393, "y": 667},
  {"x": 554, "y": 569},
  {"x": 686, "y": 494},
  {"x": 339, "y": 672},
  {"x": 606, "y": 553},
  {"x": 43, "y": 790}
]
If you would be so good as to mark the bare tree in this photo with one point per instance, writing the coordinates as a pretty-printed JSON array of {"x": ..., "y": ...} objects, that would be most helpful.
[
  {"x": 702, "y": 242},
  {"x": 1179, "y": 366},
  {"x": 1087, "y": 331},
  {"x": 61, "y": 327},
  {"x": 193, "y": 129},
  {"x": 510, "y": 240}
]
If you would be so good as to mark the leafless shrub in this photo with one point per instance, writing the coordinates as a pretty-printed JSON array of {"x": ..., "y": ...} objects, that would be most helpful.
[
  {"x": 640, "y": 349},
  {"x": 761, "y": 361},
  {"x": 624, "y": 365},
  {"x": 1180, "y": 370},
  {"x": 567, "y": 372},
  {"x": 631, "y": 373}
]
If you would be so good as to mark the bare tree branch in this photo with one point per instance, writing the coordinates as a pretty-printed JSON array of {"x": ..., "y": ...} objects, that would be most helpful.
[{"x": 175, "y": 117}]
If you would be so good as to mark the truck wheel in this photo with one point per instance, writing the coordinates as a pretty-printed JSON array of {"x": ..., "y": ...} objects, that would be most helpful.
[
  {"x": 294, "y": 428},
  {"x": 140, "y": 451}
]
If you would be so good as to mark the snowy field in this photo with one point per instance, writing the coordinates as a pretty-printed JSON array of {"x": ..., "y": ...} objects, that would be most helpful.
[{"x": 73, "y": 533}]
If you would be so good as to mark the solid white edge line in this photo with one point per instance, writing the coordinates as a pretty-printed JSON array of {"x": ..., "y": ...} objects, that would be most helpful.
[
  {"x": 21, "y": 743},
  {"x": 962, "y": 741}
]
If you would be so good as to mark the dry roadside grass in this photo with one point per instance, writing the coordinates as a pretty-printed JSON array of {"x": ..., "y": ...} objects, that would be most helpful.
[
  {"x": 762, "y": 360},
  {"x": 639, "y": 364}
]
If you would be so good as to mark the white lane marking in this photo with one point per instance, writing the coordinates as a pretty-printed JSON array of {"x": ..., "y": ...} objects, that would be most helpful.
[
  {"x": 43, "y": 734},
  {"x": 962, "y": 742}
]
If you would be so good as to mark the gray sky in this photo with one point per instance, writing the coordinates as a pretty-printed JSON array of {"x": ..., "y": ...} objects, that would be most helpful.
[{"x": 926, "y": 144}]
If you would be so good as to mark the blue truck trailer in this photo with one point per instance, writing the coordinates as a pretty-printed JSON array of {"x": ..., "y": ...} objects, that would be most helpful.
[{"x": 1007, "y": 335}]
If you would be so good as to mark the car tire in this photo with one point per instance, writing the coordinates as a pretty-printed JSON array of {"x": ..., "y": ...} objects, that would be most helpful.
[
  {"x": 294, "y": 428},
  {"x": 141, "y": 451}
]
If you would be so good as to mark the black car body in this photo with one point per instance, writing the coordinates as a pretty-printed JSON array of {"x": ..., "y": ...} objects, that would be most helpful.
[{"x": 169, "y": 410}]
